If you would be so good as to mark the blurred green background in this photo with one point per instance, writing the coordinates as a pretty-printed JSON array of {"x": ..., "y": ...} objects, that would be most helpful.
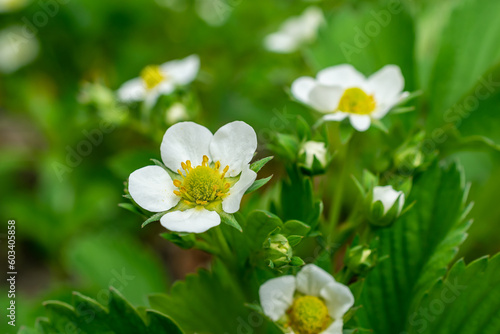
[{"x": 71, "y": 234}]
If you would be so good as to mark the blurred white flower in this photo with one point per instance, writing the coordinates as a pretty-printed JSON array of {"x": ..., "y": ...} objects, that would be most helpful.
[
  {"x": 313, "y": 149},
  {"x": 12, "y": 5},
  {"x": 175, "y": 5},
  {"x": 212, "y": 175},
  {"x": 215, "y": 12},
  {"x": 16, "y": 50},
  {"x": 388, "y": 196},
  {"x": 295, "y": 32},
  {"x": 312, "y": 302},
  {"x": 176, "y": 113},
  {"x": 157, "y": 80},
  {"x": 341, "y": 91}
]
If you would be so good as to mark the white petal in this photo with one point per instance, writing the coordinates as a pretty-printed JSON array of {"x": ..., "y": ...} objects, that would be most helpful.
[
  {"x": 384, "y": 106},
  {"x": 360, "y": 122},
  {"x": 387, "y": 84},
  {"x": 231, "y": 203},
  {"x": 311, "y": 19},
  {"x": 132, "y": 90},
  {"x": 335, "y": 327},
  {"x": 388, "y": 196},
  {"x": 234, "y": 145},
  {"x": 152, "y": 188},
  {"x": 185, "y": 141},
  {"x": 150, "y": 99},
  {"x": 196, "y": 220},
  {"x": 325, "y": 98},
  {"x": 182, "y": 71},
  {"x": 311, "y": 279},
  {"x": 301, "y": 88},
  {"x": 338, "y": 299},
  {"x": 337, "y": 116},
  {"x": 401, "y": 202},
  {"x": 280, "y": 43},
  {"x": 276, "y": 296},
  {"x": 344, "y": 75},
  {"x": 166, "y": 87}
]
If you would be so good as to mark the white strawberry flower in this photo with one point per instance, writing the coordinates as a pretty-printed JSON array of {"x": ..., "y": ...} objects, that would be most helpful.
[
  {"x": 16, "y": 50},
  {"x": 208, "y": 173},
  {"x": 295, "y": 32},
  {"x": 341, "y": 91},
  {"x": 311, "y": 302},
  {"x": 157, "y": 80},
  {"x": 12, "y": 5}
]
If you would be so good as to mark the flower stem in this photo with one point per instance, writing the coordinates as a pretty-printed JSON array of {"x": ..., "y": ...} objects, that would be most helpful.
[
  {"x": 225, "y": 250},
  {"x": 336, "y": 205}
]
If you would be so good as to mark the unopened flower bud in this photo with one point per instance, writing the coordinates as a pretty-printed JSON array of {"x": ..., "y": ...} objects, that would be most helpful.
[
  {"x": 384, "y": 205},
  {"x": 278, "y": 250},
  {"x": 361, "y": 259},
  {"x": 313, "y": 157}
]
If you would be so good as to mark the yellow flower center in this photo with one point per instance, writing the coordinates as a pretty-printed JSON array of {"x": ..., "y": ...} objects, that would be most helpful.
[
  {"x": 152, "y": 76},
  {"x": 356, "y": 101},
  {"x": 203, "y": 184},
  {"x": 308, "y": 315}
]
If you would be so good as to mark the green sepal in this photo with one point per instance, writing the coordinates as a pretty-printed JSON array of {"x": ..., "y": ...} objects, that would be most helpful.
[
  {"x": 154, "y": 218},
  {"x": 294, "y": 240},
  {"x": 173, "y": 175},
  {"x": 258, "y": 184},
  {"x": 183, "y": 240},
  {"x": 130, "y": 207},
  {"x": 229, "y": 219},
  {"x": 257, "y": 165},
  {"x": 297, "y": 261}
]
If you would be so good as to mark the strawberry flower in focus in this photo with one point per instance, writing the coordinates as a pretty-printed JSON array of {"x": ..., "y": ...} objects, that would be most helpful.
[
  {"x": 310, "y": 303},
  {"x": 205, "y": 175}
]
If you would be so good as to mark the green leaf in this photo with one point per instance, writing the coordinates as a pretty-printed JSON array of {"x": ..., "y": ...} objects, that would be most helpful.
[
  {"x": 229, "y": 219},
  {"x": 295, "y": 227},
  {"x": 98, "y": 261},
  {"x": 466, "y": 302},
  {"x": 161, "y": 324},
  {"x": 257, "y": 165},
  {"x": 205, "y": 302},
  {"x": 258, "y": 184},
  {"x": 87, "y": 316},
  {"x": 259, "y": 224},
  {"x": 420, "y": 245},
  {"x": 363, "y": 35},
  {"x": 299, "y": 189},
  {"x": 468, "y": 50},
  {"x": 62, "y": 317},
  {"x": 123, "y": 318}
]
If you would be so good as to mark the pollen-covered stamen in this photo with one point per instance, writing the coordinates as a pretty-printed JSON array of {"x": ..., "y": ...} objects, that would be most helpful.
[
  {"x": 357, "y": 101},
  {"x": 202, "y": 184},
  {"x": 152, "y": 76},
  {"x": 308, "y": 315}
]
